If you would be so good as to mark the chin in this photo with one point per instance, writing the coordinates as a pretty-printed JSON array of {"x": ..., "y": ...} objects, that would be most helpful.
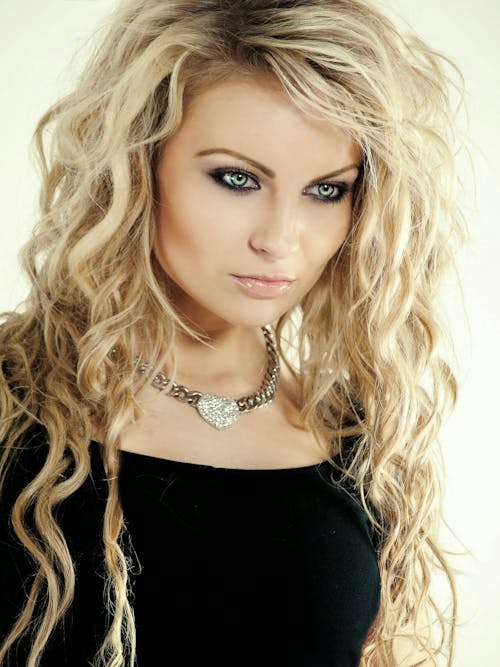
[
  {"x": 248, "y": 320},
  {"x": 259, "y": 313}
]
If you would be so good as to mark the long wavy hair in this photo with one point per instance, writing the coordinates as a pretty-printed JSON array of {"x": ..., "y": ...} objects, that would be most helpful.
[{"x": 362, "y": 344}]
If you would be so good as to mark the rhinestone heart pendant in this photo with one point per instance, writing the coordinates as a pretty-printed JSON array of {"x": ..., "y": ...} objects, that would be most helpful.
[{"x": 217, "y": 411}]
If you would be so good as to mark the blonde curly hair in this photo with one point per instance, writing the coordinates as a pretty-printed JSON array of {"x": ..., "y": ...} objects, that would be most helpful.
[{"x": 370, "y": 320}]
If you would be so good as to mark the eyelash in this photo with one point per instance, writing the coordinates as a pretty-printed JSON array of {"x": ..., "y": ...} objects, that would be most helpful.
[{"x": 217, "y": 175}]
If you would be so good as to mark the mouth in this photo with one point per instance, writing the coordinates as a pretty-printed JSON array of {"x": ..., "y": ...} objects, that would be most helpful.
[
  {"x": 263, "y": 288},
  {"x": 274, "y": 278}
]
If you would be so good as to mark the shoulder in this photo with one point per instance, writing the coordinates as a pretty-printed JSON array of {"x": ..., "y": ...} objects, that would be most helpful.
[
  {"x": 341, "y": 478},
  {"x": 24, "y": 460},
  {"x": 79, "y": 515}
]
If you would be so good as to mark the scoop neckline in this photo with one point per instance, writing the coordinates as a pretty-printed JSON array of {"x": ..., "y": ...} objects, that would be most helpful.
[{"x": 159, "y": 460}]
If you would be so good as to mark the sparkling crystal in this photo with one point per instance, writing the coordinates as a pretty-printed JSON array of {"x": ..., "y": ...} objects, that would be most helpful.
[{"x": 217, "y": 411}]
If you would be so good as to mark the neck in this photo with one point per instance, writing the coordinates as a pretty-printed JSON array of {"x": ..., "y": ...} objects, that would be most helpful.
[{"x": 237, "y": 358}]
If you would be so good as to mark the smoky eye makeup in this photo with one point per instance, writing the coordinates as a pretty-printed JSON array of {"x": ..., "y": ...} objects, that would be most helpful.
[
  {"x": 235, "y": 179},
  {"x": 330, "y": 193},
  {"x": 242, "y": 182}
]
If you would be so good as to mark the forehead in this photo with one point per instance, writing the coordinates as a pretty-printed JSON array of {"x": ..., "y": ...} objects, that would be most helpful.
[{"x": 258, "y": 111}]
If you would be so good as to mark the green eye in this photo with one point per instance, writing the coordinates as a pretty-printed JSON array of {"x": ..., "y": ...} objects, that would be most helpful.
[
  {"x": 237, "y": 179},
  {"x": 329, "y": 193},
  {"x": 326, "y": 189},
  {"x": 241, "y": 183}
]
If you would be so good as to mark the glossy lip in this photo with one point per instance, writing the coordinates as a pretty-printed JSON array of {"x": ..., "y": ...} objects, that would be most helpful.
[
  {"x": 263, "y": 288},
  {"x": 275, "y": 277}
]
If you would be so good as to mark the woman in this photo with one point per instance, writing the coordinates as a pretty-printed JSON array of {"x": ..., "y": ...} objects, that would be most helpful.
[{"x": 247, "y": 210}]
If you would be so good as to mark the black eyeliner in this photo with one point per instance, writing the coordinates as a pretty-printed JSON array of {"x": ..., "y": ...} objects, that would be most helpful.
[
  {"x": 218, "y": 173},
  {"x": 343, "y": 188}
]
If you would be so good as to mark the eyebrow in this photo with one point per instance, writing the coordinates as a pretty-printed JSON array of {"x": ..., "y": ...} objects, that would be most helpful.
[{"x": 269, "y": 172}]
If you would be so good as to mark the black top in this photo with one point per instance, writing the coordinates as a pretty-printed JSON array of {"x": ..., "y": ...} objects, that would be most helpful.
[{"x": 229, "y": 566}]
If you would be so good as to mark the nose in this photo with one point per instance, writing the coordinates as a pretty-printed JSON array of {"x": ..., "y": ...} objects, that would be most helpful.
[{"x": 277, "y": 234}]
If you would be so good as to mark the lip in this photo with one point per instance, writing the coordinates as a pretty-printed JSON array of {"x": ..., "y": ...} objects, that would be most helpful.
[
  {"x": 275, "y": 277},
  {"x": 263, "y": 288}
]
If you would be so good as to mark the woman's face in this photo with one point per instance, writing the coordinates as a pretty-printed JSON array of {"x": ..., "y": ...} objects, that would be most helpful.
[{"x": 248, "y": 186}]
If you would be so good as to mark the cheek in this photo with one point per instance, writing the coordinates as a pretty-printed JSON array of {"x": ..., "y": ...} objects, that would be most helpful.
[
  {"x": 337, "y": 231},
  {"x": 175, "y": 238},
  {"x": 325, "y": 244},
  {"x": 198, "y": 226}
]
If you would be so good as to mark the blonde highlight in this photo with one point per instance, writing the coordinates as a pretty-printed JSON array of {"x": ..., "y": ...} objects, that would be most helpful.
[{"x": 367, "y": 334}]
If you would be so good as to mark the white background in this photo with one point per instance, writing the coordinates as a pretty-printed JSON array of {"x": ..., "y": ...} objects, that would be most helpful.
[{"x": 37, "y": 42}]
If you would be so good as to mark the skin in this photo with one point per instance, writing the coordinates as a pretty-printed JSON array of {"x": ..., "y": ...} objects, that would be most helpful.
[{"x": 206, "y": 232}]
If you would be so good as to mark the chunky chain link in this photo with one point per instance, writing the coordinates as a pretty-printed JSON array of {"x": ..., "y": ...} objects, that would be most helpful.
[{"x": 246, "y": 403}]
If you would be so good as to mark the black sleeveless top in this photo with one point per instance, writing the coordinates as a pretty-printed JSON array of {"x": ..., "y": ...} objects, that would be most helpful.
[{"x": 228, "y": 566}]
